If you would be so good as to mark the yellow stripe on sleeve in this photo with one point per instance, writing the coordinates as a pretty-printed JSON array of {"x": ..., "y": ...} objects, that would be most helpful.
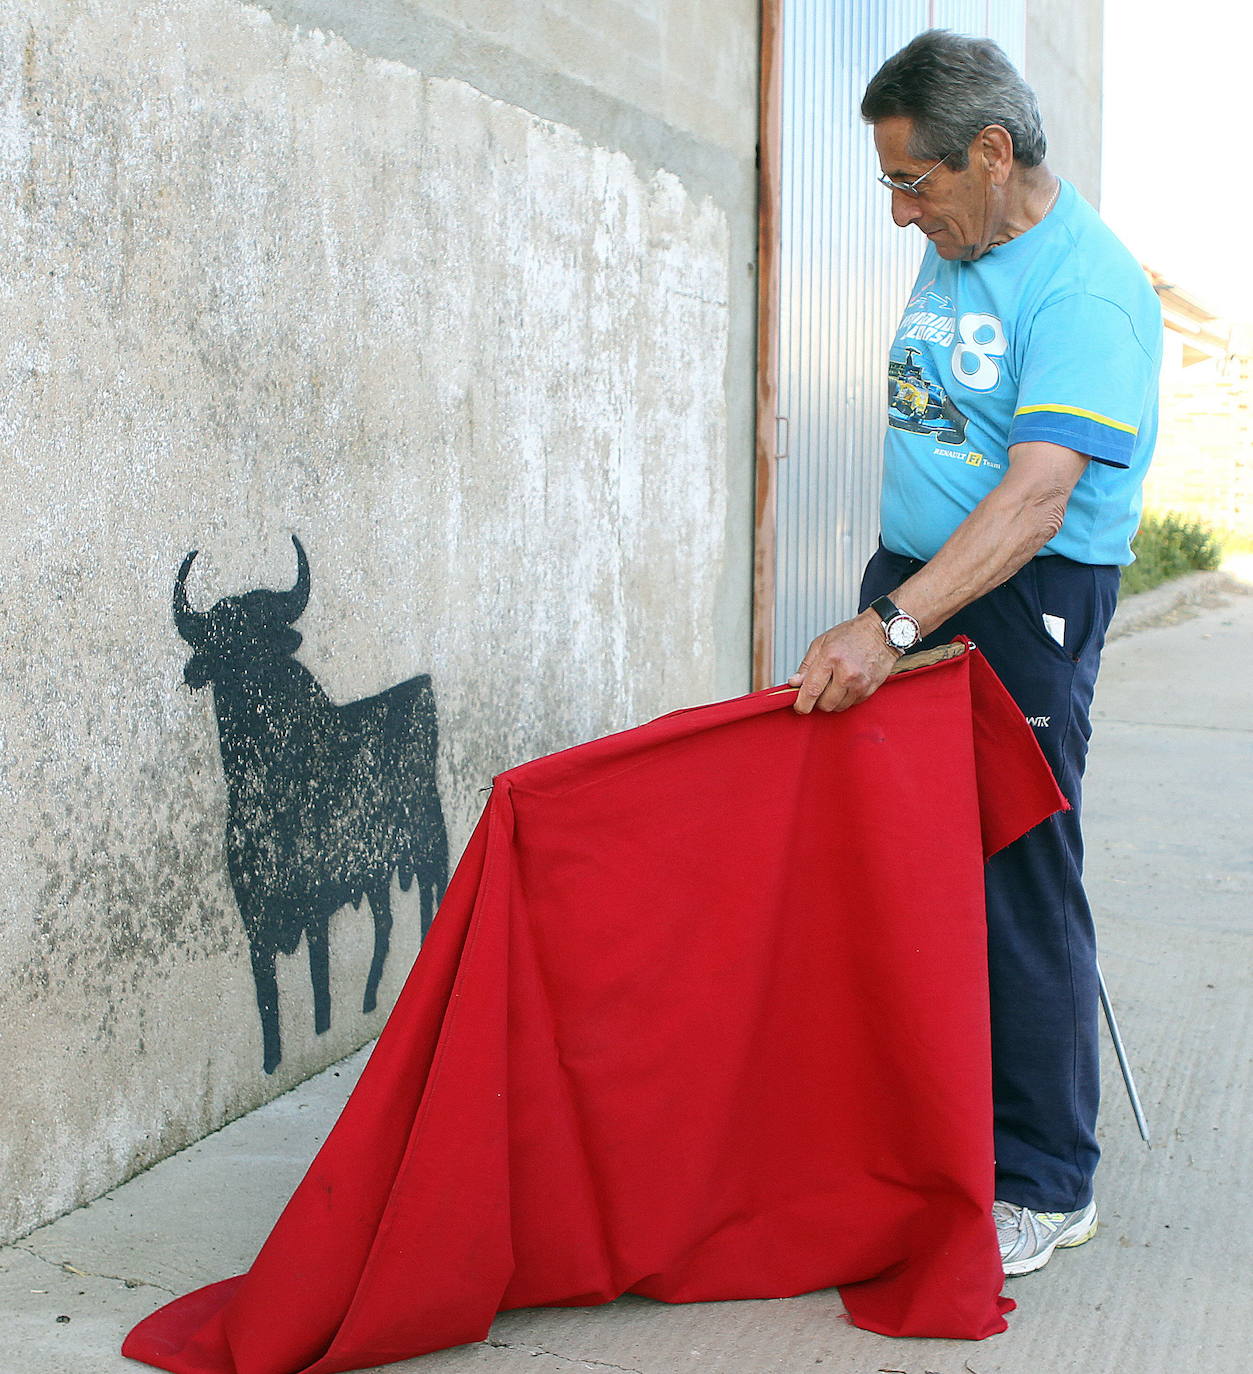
[{"x": 1083, "y": 415}]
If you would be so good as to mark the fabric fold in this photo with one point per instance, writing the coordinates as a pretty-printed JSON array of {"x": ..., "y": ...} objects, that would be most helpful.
[{"x": 703, "y": 1016}]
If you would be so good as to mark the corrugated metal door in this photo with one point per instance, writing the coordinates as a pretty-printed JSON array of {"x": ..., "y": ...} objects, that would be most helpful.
[{"x": 844, "y": 273}]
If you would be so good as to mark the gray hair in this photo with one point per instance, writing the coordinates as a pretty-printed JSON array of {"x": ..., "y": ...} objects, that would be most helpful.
[{"x": 952, "y": 86}]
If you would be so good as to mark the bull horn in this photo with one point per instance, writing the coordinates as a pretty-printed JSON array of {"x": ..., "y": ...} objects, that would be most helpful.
[
  {"x": 297, "y": 599},
  {"x": 191, "y": 624}
]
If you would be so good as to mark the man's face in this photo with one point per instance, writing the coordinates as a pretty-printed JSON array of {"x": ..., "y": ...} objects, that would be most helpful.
[{"x": 951, "y": 208}]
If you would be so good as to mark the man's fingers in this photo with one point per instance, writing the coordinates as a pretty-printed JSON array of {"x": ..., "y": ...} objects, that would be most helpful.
[
  {"x": 849, "y": 688},
  {"x": 831, "y": 690},
  {"x": 805, "y": 698},
  {"x": 812, "y": 683},
  {"x": 810, "y": 690},
  {"x": 856, "y": 687},
  {"x": 833, "y": 697},
  {"x": 826, "y": 689}
]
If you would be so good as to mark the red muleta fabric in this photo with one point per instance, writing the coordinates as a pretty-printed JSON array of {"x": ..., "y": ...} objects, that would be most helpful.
[{"x": 703, "y": 1016}]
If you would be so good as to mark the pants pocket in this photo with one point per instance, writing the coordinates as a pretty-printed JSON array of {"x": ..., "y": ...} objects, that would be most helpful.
[
  {"x": 1048, "y": 591},
  {"x": 1082, "y": 594}
]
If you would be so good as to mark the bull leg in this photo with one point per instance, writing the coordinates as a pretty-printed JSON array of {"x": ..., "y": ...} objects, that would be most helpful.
[
  {"x": 316, "y": 935},
  {"x": 267, "y": 1005},
  {"x": 381, "y": 910},
  {"x": 427, "y": 893}
]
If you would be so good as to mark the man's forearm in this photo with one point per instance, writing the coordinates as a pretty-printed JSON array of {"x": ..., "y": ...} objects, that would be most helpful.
[
  {"x": 1003, "y": 532},
  {"x": 1010, "y": 525}
]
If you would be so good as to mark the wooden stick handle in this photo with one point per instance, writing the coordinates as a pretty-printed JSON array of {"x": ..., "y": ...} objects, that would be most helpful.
[{"x": 907, "y": 662}]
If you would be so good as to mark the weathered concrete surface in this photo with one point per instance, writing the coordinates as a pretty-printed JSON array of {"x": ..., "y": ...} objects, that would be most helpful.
[
  {"x": 1160, "y": 1290},
  {"x": 648, "y": 60},
  {"x": 1064, "y": 68},
  {"x": 258, "y": 281},
  {"x": 671, "y": 84}
]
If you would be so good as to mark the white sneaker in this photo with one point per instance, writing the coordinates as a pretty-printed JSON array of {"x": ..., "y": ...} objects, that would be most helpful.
[{"x": 1029, "y": 1238}]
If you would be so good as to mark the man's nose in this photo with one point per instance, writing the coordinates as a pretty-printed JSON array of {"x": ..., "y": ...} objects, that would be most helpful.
[{"x": 905, "y": 209}]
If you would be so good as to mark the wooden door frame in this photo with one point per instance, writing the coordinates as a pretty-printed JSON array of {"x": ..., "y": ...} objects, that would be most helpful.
[{"x": 769, "y": 157}]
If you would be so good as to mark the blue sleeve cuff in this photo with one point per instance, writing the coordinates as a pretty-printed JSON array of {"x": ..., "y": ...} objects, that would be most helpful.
[{"x": 1105, "y": 442}]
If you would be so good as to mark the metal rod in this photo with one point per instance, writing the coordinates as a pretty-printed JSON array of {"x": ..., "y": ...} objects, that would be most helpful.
[{"x": 1127, "y": 1077}]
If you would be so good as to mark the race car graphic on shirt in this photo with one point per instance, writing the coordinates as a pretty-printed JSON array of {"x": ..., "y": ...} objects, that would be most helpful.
[{"x": 918, "y": 403}]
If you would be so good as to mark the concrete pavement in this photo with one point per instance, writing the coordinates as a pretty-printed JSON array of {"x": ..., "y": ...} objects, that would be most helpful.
[{"x": 1162, "y": 1289}]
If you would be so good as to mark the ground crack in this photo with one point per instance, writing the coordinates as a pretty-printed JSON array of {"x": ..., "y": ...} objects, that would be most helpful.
[
  {"x": 66, "y": 1267},
  {"x": 566, "y": 1359}
]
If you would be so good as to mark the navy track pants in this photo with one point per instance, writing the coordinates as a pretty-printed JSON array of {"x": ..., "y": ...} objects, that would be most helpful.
[{"x": 1041, "y": 940}]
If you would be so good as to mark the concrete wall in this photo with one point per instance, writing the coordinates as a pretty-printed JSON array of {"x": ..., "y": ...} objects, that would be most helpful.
[
  {"x": 461, "y": 294},
  {"x": 1064, "y": 64}
]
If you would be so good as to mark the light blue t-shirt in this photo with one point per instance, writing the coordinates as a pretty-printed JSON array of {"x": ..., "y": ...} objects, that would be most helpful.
[{"x": 1055, "y": 335}]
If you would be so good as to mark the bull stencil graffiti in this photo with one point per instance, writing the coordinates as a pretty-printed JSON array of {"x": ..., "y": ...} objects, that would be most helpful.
[{"x": 324, "y": 802}]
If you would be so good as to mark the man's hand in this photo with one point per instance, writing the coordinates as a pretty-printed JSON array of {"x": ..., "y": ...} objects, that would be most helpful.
[{"x": 843, "y": 666}]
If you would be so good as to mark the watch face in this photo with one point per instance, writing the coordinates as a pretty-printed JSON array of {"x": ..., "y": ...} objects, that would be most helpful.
[{"x": 902, "y": 633}]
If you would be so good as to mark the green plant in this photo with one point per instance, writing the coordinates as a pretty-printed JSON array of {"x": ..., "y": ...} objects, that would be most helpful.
[{"x": 1169, "y": 545}]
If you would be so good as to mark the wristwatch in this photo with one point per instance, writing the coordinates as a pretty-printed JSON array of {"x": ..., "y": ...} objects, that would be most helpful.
[{"x": 900, "y": 630}]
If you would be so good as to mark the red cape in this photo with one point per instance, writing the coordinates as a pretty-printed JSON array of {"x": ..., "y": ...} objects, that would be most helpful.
[{"x": 703, "y": 1015}]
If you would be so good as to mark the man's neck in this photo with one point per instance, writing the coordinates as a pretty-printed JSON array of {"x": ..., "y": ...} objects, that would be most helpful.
[{"x": 1030, "y": 194}]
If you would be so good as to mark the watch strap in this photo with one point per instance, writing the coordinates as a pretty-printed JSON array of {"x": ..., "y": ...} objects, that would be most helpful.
[{"x": 885, "y": 608}]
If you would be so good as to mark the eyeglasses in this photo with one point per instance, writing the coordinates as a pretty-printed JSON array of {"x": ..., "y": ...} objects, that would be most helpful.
[{"x": 910, "y": 188}]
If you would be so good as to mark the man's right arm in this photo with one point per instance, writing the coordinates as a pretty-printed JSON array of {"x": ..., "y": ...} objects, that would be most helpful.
[{"x": 1005, "y": 530}]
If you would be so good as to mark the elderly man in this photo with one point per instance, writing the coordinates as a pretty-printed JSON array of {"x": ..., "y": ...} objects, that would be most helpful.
[{"x": 1022, "y": 395}]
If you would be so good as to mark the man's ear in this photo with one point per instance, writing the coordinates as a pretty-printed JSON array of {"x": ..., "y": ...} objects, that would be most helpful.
[{"x": 995, "y": 150}]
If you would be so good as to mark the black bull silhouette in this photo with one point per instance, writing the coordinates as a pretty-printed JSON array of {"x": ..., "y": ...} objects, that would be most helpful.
[{"x": 324, "y": 802}]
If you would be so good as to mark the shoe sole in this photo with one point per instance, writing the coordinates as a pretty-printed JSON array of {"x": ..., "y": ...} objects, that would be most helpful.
[{"x": 1067, "y": 1240}]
